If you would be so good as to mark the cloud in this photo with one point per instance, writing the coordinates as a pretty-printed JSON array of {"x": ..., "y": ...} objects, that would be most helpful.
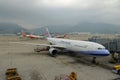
[{"x": 37, "y": 13}]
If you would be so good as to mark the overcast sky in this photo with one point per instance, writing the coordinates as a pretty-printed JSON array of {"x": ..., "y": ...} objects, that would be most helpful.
[{"x": 38, "y": 13}]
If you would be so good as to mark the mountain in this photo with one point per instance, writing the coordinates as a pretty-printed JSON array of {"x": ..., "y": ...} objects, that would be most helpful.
[
  {"x": 10, "y": 28},
  {"x": 52, "y": 29},
  {"x": 82, "y": 27},
  {"x": 97, "y": 28}
]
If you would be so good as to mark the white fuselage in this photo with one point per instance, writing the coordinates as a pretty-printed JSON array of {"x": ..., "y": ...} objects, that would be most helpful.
[{"x": 81, "y": 47}]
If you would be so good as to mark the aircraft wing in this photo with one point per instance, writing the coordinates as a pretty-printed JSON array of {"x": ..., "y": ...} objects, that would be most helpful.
[{"x": 37, "y": 44}]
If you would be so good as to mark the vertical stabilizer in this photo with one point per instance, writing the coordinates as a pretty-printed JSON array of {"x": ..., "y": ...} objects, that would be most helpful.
[
  {"x": 23, "y": 34},
  {"x": 47, "y": 33}
]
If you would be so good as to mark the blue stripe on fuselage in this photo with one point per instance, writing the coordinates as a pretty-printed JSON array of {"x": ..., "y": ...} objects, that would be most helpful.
[{"x": 95, "y": 53}]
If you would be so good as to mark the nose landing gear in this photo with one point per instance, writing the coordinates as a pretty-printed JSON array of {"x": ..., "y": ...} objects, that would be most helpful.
[{"x": 94, "y": 60}]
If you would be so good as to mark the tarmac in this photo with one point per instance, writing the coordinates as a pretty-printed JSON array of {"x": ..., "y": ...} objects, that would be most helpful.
[{"x": 41, "y": 66}]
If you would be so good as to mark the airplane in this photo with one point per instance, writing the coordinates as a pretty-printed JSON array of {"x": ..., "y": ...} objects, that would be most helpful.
[
  {"x": 31, "y": 36},
  {"x": 75, "y": 46},
  {"x": 24, "y": 35},
  {"x": 60, "y": 36}
]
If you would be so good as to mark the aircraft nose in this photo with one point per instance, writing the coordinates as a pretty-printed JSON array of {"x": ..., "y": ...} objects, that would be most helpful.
[
  {"x": 106, "y": 52},
  {"x": 103, "y": 52}
]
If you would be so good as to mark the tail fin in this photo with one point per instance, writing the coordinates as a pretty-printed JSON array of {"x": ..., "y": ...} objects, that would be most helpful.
[
  {"x": 47, "y": 33},
  {"x": 65, "y": 35},
  {"x": 23, "y": 34}
]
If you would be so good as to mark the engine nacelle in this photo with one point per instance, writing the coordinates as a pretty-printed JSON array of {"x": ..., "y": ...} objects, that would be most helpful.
[{"x": 53, "y": 51}]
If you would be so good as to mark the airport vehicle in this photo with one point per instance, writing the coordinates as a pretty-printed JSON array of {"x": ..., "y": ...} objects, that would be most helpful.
[
  {"x": 11, "y": 74},
  {"x": 31, "y": 36},
  {"x": 75, "y": 46},
  {"x": 116, "y": 69}
]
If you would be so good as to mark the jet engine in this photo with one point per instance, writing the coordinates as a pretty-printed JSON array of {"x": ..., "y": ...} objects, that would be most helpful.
[{"x": 53, "y": 51}]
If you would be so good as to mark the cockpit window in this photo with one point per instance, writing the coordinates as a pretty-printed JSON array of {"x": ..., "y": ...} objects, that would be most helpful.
[{"x": 101, "y": 48}]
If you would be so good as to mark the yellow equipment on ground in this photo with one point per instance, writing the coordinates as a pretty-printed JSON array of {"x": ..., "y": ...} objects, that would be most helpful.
[
  {"x": 11, "y": 74},
  {"x": 73, "y": 76},
  {"x": 116, "y": 69}
]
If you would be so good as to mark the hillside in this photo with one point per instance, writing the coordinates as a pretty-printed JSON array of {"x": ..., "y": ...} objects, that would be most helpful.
[
  {"x": 10, "y": 28},
  {"x": 82, "y": 27},
  {"x": 97, "y": 28}
]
